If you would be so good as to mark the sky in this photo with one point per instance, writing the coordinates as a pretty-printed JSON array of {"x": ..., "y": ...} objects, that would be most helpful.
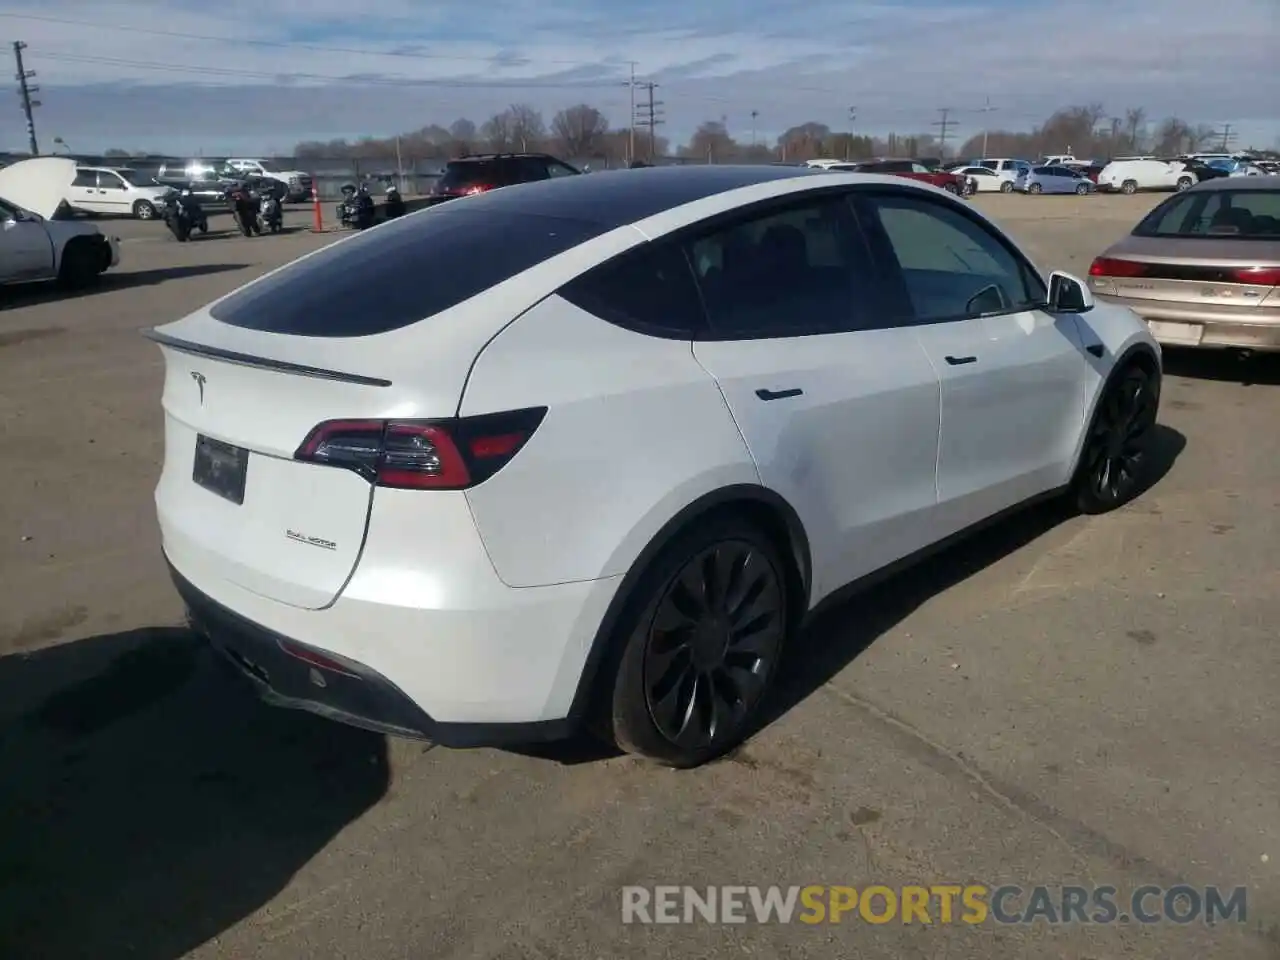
[{"x": 167, "y": 75}]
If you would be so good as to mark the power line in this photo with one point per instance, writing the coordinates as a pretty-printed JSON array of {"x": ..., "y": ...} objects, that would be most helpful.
[{"x": 25, "y": 90}]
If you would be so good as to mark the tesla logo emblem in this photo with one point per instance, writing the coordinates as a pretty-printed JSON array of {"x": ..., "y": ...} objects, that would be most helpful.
[{"x": 200, "y": 382}]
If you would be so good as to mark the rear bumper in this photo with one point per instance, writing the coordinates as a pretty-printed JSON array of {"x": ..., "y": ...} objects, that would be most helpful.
[
  {"x": 296, "y": 675},
  {"x": 1189, "y": 325}
]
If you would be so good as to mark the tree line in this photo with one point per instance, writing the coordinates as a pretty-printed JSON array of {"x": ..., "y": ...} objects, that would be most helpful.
[{"x": 583, "y": 133}]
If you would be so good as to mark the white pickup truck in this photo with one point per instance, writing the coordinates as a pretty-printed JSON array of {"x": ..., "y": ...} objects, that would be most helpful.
[
  {"x": 35, "y": 244},
  {"x": 297, "y": 183}
]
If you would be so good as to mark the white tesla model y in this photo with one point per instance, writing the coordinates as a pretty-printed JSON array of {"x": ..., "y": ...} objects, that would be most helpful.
[{"x": 588, "y": 451}]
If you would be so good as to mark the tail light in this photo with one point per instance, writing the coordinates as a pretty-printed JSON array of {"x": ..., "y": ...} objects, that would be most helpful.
[
  {"x": 1259, "y": 276},
  {"x": 1110, "y": 267},
  {"x": 1251, "y": 276},
  {"x": 423, "y": 454}
]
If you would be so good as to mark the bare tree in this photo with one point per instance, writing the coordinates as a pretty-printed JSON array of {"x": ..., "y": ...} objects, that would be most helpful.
[
  {"x": 526, "y": 126},
  {"x": 1134, "y": 118},
  {"x": 580, "y": 130},
  {"x": 711, "y": 143},
  {"x": 498, "y": 131},
  {"x": 1173, "y": 136}
]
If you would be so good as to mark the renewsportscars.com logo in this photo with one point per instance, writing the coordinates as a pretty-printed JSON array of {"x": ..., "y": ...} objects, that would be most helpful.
[{"x": 940, "y": 903}]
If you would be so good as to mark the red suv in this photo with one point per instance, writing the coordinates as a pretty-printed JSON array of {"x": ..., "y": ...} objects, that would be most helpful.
[
  {"x": 911, "y": 169},
  {"x": 477, "y": 173}
]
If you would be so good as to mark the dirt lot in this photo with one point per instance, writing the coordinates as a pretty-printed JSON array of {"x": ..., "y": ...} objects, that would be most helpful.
[{"x": 1063, "y": 700}]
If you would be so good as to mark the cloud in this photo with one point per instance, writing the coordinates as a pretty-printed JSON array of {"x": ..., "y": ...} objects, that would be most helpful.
[{"x": 141, "y": 76}]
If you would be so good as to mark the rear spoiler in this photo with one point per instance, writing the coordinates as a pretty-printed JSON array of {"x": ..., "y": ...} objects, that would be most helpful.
[{"x": 263, "y": 363}]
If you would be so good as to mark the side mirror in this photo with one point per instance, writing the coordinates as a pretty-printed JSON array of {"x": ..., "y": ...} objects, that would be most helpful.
[{"x": 1068, "y": 294}]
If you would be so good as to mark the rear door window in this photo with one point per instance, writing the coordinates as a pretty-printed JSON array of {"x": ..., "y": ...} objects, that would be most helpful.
[
  {"x": 400, "y": 273},
  {"x": 798, "y": 271},
  {"x": 459, "y": 176}
]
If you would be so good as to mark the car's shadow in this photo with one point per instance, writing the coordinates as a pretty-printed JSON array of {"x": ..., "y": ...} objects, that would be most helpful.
[
  {"x": 31, "y": 294},
  {"x": 1246, "y": 369},
  {"x": 148, "y": 801},
  {"x": 836, "y": 637}
]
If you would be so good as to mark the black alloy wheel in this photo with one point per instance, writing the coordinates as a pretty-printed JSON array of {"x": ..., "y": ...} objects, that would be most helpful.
[
  {"x": 1116, "y": 451},
  {"x": 701, "y": 648},
  {"x": 712, "y": 645}
]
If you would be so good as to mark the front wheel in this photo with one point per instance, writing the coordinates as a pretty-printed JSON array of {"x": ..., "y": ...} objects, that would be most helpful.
[
  {"x": 700, "y": 646},
  {"x": 1185, "y": 183},
  {"x": 144, "y": 210},
  {"x": 1116, "y": 450},
  {"x": 951, "y": 188},
  {"x": 1129, "y": 187},
  {"x": 81, "y": 265}
]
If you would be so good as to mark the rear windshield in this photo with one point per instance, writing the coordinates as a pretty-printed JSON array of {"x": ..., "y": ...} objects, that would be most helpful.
[
  {"x": 1221, "y": 214},
  {"x": 460, "y": 175},
  {"x": 400, "y": 272}
]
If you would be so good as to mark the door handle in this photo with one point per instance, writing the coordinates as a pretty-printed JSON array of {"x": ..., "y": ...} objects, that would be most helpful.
[
  {"x": 957, "y": 361},
  {"x": 778, "y": 394}
]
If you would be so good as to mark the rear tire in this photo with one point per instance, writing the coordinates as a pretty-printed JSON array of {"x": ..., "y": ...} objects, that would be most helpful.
[
  {"x": 1129, "y": 187},
  {"x": 1082, "y": 190},
  {"x": 699, "y": 645},
  {"x": 80, "y": 265},
  {"x": 1006, "y": 187},
  {"x": 1035, "y": 188},
  {"x": 1116, "y": 450},
  {"x": 951, "y": 188}
]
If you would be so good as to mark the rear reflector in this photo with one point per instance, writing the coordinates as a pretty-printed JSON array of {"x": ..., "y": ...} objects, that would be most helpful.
[
  {"x": 1253, "y": 276},
  {"x": 315, "y": 659},
  {"x": 423, "y": 454}
]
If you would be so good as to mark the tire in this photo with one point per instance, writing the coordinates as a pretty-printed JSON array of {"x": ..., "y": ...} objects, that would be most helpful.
[
  {"x": 1006, "y": 187},
  {"x": 951, "y": 188},
  {"x": 1185, "y": 183},
  {"x": 81, "y": 265},
  {"x": 1117, "y": 447},
  {"x": 144, "y": 210},
  {"x": 1129, "y": 187},
  {"x": 1082, "y": 190},
  {"x": 1035, "y": 188},
  {"x": 713, "y": 665}
]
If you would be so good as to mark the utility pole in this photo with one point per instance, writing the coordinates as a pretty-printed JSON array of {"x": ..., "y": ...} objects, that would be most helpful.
[
  {"x": 1228, "y": 135},
  {"x": 754, "y": 115},
  {"x": 986, "y": 125},
  {"x": 631, "y": 137},
  {"x": 648, "y": 115},
  {"x": 848, "y": 146},
  {"x": 943, "y": 125},
  {"x": 25, "y": 90}
]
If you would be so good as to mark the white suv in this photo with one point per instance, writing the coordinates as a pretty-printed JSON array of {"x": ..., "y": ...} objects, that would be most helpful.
[
  {"x": 600, "y": 444},
  {"x": 117, "y": 191}
]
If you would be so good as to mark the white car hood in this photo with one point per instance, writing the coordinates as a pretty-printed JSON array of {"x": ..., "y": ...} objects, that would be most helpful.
[{"x": 39, "y": 184}]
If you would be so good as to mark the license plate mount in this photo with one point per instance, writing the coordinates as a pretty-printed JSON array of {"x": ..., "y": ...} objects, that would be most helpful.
[
  {"x": 1168, "y": 331},
  {"x": 221, "y": 468}
]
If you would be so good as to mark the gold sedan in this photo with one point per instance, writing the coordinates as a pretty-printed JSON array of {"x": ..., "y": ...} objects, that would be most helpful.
[{"x": 1203, "y": 268}]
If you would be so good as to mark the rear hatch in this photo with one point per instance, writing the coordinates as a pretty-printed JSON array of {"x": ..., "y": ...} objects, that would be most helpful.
[
  {"x": 377, "y": 329},
  {"x": 1198, "y": 272},
  {"x": 462, "y": 178}
]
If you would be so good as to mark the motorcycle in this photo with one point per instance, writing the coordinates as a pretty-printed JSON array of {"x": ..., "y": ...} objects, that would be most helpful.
[
  {"x": 270, "y": 216},
  {"x": 183, "y": 214},
  {"x": 357, "y": 209},
  {"x": 244, "y": 209},
  {"x": 394, "y": 204}
]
